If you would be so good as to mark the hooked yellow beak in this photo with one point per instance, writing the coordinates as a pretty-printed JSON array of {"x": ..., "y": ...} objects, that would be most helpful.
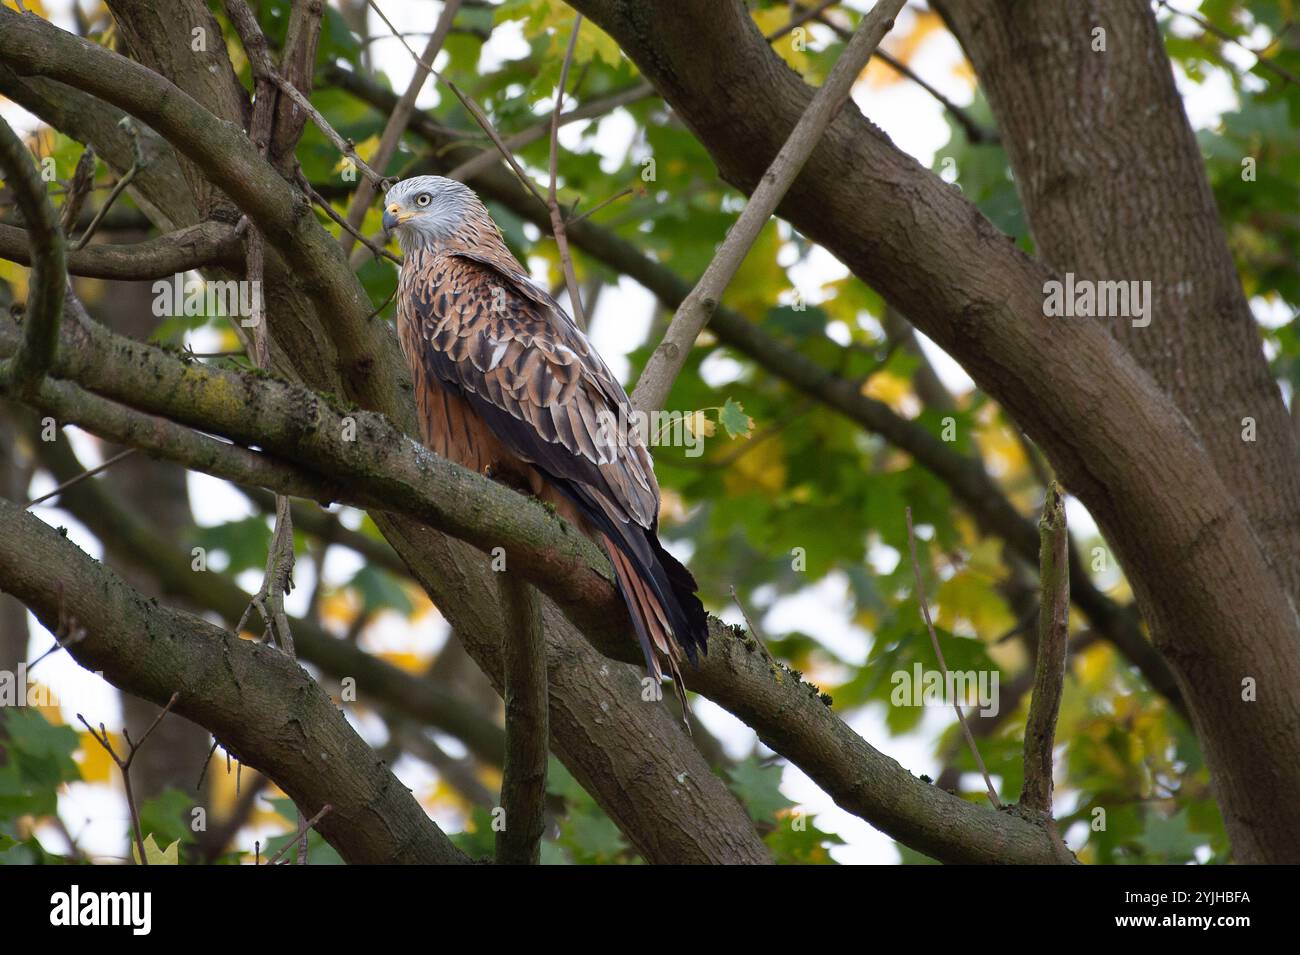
[{"x": 394, "y": 216}]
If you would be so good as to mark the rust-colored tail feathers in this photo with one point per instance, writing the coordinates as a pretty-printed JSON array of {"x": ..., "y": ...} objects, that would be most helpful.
[{"x": 664, "y": 632}]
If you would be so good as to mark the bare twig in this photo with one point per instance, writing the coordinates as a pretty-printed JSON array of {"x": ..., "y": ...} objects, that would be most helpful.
[
  {"x": 1049, "y": 672},
  {"x": 943, "y": 665},
  {"x": 590, "y": 110},
  {"x": 523, "y": 781},
  {"x": 377, "y": 250},
  {"x": 1227, "y": 37},
  {"x": 89, "y": 472},
  {"x": 49, "y": 276},
  {"x": 622, "y": 193},
  {"x": 694, "y": 313},
  {"x": 552, "y": 202},
  {"x": 250, "y": 34},
  {"x": 392, "y": 29},
  {"x": 397, "y": 121},
  {"x": 137, "y": 164},
  {"x": 83, "y": 181},
  {"x": 67, "y": 632},
  {"x": 302, "y": 828},
  {"x": 124, "y": 764},
  {"x": 346, "y": 146},
  {"x": 480, "y": 117}
]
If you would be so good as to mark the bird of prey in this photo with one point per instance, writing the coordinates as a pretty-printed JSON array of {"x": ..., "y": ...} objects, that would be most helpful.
[{"x": 507, "y": 385}]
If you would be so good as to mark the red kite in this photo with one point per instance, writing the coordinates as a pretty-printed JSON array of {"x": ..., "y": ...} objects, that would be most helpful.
[{"x": 507, "y": 385}]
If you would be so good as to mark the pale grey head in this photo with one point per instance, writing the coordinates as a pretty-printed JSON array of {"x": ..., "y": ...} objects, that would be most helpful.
[{"x": 423, "y": 210}]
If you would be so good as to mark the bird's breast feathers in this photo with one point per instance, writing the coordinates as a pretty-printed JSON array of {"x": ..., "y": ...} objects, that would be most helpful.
[{"x": 471, "y": 321}]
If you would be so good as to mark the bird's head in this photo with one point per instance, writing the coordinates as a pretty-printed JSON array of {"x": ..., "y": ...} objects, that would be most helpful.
[{"x": 426, "y": 209}]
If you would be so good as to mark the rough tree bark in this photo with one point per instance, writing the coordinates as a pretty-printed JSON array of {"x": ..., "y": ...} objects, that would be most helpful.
[
  {"x": 1216, "y": 604},
  {"x": 1207, "y": 581},
  {"x": 637, "y": 785}
]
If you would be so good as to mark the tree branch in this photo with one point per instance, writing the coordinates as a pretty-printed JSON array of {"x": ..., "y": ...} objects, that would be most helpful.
[
  {"x": 552, "y": 201},
  {"x": 398, "y": 119},
  {"x": 377, "y": 682},
  {"x": 49, "y": 277},
  {"x": 1049, "y": 670},
  {"x": 205, "y": 244},
  {"x": 785, "y": 711},
  {"x": 523, "y": 782},
  {"x": 694, "y": 313},
  {"x": 262, "y": 706}
]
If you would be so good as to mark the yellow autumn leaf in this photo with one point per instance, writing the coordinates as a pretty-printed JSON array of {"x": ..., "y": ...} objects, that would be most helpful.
[
  {"x": 699, "y": 424},
  {"x": 1002, "y": 451},
  {"x": 33, "y": 6},
  {"x": 787, "y": 47},
  {"x": 970, "y": 597},
  {"x": 364, "y": 148},
  {"x": 672, "y": 508},
  {"x": 16, "y": 276},
  {"x": 340, "y": 606},
  {"x": 556, "y": 18},
  {"x": 760, "y": 280},
  {"x": 156, "y": 856},
  {"x": 902, "y": 47},
  {"x": 96, "y": 765},
  {"x": 761, "y": 469},
  {"x": 894, "y": 390},
  {"x": 985, "y": 557},
  {"x": 964, "y": 71},
  {"x": 593, "y": 42},
  {"x": 421, "y": 605},
  {"x": 410, "y": 662}
]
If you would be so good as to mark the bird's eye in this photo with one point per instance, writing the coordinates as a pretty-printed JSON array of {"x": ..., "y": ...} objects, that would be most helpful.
[{"x": 423, "y": 199}]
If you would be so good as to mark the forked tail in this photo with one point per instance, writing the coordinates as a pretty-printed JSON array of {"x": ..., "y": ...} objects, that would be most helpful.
[{"x": 660, "y": 595}]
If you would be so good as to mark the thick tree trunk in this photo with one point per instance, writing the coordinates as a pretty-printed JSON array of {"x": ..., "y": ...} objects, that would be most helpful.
[
  {"x": 1215, "y": 601},
  {"x": 1114, "y": 187},
  {"x": 671, "y": 807}
]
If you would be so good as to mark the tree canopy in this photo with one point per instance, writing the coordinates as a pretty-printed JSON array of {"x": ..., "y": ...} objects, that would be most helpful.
[{"x": 885, "y": 357}]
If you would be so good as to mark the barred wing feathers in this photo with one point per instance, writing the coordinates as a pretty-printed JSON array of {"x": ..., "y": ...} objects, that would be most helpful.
[{"x": 504, "y": 346}]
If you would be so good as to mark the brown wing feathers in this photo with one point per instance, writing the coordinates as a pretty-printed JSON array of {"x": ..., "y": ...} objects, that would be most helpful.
[{"x": 503, "y": 353}]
